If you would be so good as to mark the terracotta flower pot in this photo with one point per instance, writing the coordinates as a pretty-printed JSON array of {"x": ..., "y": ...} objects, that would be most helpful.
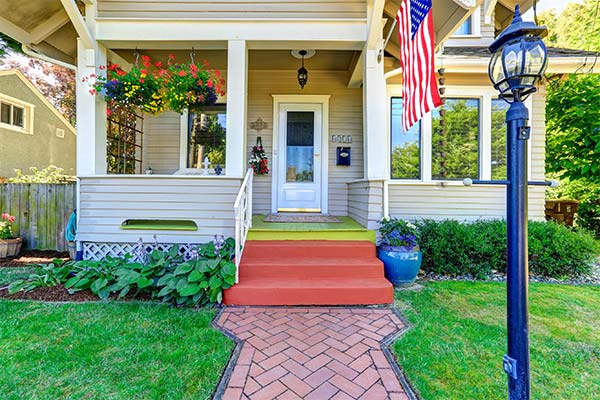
[{"x": 10, "y": 247}]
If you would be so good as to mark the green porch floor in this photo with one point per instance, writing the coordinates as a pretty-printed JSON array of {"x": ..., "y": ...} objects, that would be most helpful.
[{"x": 348, "y": 229}]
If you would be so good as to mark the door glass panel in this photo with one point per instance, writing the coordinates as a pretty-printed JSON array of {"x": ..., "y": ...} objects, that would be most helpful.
[{"x": 300, "y": 146}]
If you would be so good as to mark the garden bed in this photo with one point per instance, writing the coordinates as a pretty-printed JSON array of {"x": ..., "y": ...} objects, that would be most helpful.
[
  {"x": 61, "y": 294},
  {"x": 28, "y": 257}
]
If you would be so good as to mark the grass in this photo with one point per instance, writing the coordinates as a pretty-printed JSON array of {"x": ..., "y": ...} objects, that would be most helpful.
[
  {"x": 455, "y": 346},
  {"x": 10, "y": 274},
  {"x": 108, "y": 351}
]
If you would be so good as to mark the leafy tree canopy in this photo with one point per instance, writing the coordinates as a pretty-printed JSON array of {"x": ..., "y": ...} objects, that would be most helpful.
[{"x": 576, "y": 27}]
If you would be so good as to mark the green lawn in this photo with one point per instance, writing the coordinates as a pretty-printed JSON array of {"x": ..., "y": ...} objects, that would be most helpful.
[
  {"x": 455, "y": 346},
  {"x": 108, "y": 351},
  {"x": 11, "y": 274}
]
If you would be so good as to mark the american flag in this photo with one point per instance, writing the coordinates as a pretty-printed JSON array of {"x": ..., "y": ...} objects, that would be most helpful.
[{"x": 419, "y": 87}]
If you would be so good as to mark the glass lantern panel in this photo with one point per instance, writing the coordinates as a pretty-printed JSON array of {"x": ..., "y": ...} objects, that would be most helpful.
[
  {"x": 534, "y": 58},
  {"x": 497, "y": 72},
  {"x": 512, "y": 59}
]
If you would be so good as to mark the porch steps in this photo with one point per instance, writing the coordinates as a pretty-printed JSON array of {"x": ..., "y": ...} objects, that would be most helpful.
[{"x": 308, "y": 272}]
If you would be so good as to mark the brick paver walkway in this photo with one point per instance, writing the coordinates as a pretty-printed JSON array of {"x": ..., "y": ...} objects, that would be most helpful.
[{"x": 311, "y": 353}]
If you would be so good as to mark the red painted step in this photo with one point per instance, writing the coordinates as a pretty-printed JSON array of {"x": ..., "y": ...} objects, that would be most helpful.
[
  {"x": 310, "y": 248},
  {"x": 310, "y": 273}
]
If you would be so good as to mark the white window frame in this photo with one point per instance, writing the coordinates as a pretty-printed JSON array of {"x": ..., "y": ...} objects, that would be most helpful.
[
  {"x": 475, "y": 26},
  {"x": 485, "y": 94},
  {"x": 28, "y": 113}
]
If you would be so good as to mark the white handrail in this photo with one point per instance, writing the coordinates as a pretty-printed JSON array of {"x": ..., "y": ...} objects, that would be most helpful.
[{"x": 243, "y": 218}]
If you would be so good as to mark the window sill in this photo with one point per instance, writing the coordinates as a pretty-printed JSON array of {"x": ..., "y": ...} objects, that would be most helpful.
[
  {"x": 441, "y": 184},
  {"x": 14, "y": 128}
]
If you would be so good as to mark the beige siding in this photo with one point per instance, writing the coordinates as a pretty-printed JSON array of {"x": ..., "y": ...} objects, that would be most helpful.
[
  {"x": 174, "y": 9},
  {"x": 345, "y": 118},
  {"x": 105, "y": 202},
  {"x": 161, "y": 142},
  {"x": 365, "y": 202},
  {"x": 456, "y": 201}
]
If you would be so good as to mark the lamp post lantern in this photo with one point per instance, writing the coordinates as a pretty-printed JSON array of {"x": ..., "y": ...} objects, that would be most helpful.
[{"x": 517, "y": 64}]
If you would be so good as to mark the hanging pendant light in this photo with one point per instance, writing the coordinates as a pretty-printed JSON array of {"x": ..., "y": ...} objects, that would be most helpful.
[{"x": 302, "y": 72}]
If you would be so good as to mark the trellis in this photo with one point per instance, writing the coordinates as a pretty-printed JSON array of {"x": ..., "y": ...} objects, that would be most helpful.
[{"x": 125, "y": 129}]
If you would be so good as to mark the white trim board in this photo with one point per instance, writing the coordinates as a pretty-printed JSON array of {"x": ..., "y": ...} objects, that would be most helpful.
[{"x": 279, "y": 99}]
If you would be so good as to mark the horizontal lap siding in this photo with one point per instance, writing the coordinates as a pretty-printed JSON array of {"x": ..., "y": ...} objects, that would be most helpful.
[
  {"x": 365, "y": 202},
  {"x": 107, "y": 202},
  {"x": 207, "y": 9},
  {"x": 457, "y": 202},
  {"x": 345, "y": 118},
  {"x": 161, "y": 142}
]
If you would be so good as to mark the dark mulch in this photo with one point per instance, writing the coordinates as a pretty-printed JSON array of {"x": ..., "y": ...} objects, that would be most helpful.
[
  {"x": 59, "y": 293},
  {"x": 28, "y": 257}
]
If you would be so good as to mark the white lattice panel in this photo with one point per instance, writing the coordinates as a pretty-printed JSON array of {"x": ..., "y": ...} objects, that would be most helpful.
[{"x": 99, "y": 251}]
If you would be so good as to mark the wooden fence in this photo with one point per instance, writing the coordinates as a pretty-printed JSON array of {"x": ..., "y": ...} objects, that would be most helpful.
[{"x": 41, "y": 210}]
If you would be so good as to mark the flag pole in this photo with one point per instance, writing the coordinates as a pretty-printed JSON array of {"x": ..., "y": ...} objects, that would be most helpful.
[{"x": 389, "y": 35}]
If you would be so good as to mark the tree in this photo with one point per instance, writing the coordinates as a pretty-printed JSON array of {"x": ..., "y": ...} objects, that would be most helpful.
[
  {"x": 573, "y": 125},
  {"x": 405, "y": 161},
  {"x": 56, "y": 83},
  {"x": 576, "y": 27}
]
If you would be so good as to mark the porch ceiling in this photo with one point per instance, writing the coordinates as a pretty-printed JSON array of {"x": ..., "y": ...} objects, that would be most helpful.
[
  {"x": 42, "y": 25},
  {"x": 323, "y": 60}
]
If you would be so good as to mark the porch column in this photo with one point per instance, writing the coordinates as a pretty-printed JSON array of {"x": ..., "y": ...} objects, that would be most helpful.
[
  {"x": 237, "y": 93},
  {"x": 91, "y": 114},
  {"x": 375, "y": 120}
]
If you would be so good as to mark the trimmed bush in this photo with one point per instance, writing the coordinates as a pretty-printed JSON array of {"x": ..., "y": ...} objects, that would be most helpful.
[{"x": 456, "y": 248}]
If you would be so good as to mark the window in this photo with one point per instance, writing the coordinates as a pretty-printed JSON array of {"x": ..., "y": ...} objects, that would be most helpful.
[
  {"x": 206, "y": 137},
  {"x": 455, "y": 139},
  {"x": 499, "y": 108},
  {"x": 13, "y": 115},
  {"x": 466, "y": 28},
  {"x": 406, "y": 146}
]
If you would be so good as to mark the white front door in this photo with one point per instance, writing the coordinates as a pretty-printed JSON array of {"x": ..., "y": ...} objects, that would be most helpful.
[{"x": 299, "y": 170}]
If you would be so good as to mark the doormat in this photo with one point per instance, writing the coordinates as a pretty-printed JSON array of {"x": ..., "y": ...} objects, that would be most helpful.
[{"x": 306, "y": 219}]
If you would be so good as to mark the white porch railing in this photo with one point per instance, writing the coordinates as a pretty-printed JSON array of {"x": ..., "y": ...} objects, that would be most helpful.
[{"x": 243, "y": 218}]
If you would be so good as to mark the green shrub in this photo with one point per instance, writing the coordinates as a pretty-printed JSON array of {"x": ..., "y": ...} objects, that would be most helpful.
[
  {"x": 164, "y": 275},
  {"x": 454, "y": 248},
  {"x": 588, "y": 195}
]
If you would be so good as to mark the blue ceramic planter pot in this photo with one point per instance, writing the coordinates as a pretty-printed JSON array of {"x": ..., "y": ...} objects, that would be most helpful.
[{"x": 401, "y": 264}]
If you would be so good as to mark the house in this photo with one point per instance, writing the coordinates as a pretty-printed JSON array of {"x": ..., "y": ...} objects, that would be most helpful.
[
  {"x": 335, "y": 146},
  {"x": 32, "y": 131}
]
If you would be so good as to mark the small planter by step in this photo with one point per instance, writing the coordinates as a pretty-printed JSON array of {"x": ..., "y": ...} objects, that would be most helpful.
[
  {"x": 10, "y": 247},
  {"x": 401, "y": 264}
]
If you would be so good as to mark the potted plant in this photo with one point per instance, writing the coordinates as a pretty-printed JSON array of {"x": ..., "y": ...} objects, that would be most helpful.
[
  {"x": 399, "y": 251},
  {"x": 9, "y": 245}
]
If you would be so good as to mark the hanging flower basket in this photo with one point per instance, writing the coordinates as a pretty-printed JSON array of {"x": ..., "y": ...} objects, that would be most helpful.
[
  {"x": 191, "y": 87},
  {"x": 136, "y": 88},
  {"x": 258, "y": 159}
]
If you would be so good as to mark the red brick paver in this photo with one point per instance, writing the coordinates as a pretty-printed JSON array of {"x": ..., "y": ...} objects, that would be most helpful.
[{"x": 311, "y": 353}]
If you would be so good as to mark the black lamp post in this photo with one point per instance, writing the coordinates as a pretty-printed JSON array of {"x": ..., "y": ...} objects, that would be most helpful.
[{"x": 518, "y": 62}]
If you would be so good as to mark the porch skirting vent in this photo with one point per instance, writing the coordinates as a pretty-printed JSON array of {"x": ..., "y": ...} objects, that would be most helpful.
[{"x": 99, "y": 251}]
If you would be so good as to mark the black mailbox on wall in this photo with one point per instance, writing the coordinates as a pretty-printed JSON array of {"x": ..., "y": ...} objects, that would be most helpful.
[{"x": 343, "y": 156}]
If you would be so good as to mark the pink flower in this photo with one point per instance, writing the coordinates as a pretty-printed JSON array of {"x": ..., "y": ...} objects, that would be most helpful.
[
  {"x": 5, "y": 216},
  {"x": 102, "y": 67},
  {"x": 108, "y": 112},
  {"x": 11, "y": 218}
]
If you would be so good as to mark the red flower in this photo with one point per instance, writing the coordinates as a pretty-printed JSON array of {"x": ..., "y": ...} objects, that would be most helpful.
[
  {"x": 222, "y": 81},
  {"x": 11, "y": 218},
  {"x": 193, "y": 67},
  {"x": 209, "y": 84},
  {"x": 217, "y": 73},
  {"x": 121, "y": 72},
  {"x": 206, "y": 63},
  {"x": 158, "y": 64},
  {"x": 142, "y": 81},
  {"x": 162, "y": 72},
  {"x": 108, "y": 112},
  {"x": 182, "y": 73}
]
